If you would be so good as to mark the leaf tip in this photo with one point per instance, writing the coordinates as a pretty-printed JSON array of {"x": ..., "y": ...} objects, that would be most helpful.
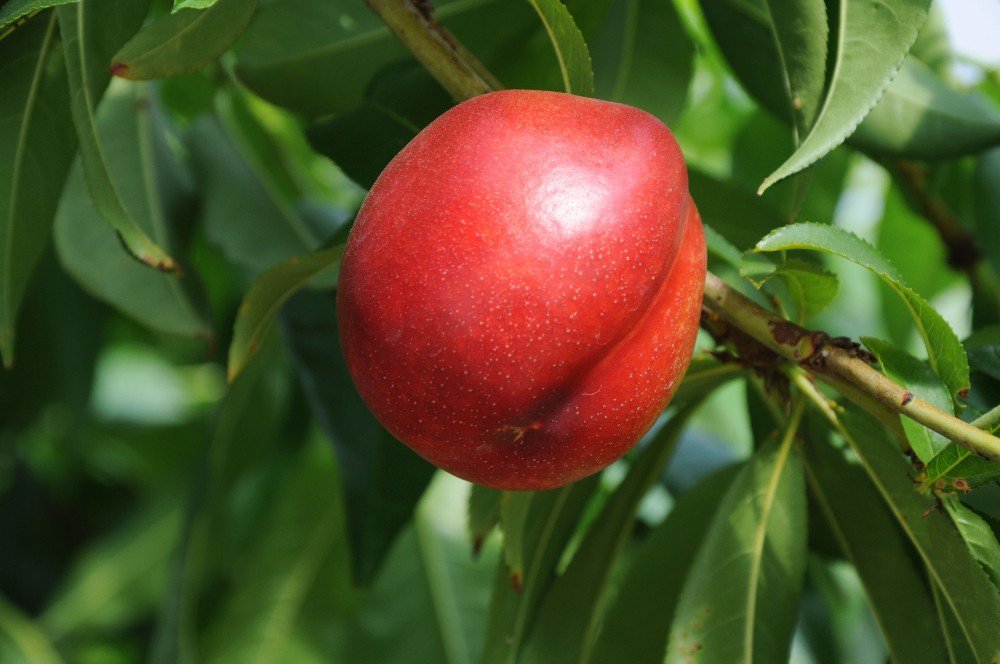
[
  {"x": 516, "y": 582},
  {"x": 477, "y": 546},
  {"x": 119, "y": 69}
]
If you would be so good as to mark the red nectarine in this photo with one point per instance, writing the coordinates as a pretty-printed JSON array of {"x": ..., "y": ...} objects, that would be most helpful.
[{"x": 520, "y": 293}]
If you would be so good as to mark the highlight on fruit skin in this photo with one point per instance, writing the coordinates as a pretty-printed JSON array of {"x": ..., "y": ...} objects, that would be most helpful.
[{"x": 520, "y": 294}]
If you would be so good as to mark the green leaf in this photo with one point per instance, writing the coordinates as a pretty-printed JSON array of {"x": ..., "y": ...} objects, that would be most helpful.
[
  {"x": 89, "y": 41},
  {"x": 740, "y": 599},
  {"x": 514, "y": 509},
  {"x": 430, "y": 600},
  {"x": 800, "y": 34},
  {"x": 977, "y": 534},
  {"x": 945, "y": 353},
  {"x": 566, "y": 626},
  {"x": 155, "y": 191},
  {"x": 642, "y": 57},
  {"x": 987, "y": 203},
  {"x": 298, "y": 551},
  {"x": 383, "y": 479},
  {"x": 861, "y": 525},
  {"x": 636, "y": 624},
  {"x": 318, "y": 57},
  {"x": 18, "y": 11},
  {"x": 37, "y": 133},
  {"x": 264, "y": 299},
  {"x": 571, "y": 49},
  {"x": 721, "y": 248},
  {"x": 192, "y": 4},
  {"x": 20, "y": 633},
  {"x": 704, "y": 375},
  {"x": 921, "y": 117},
  {"x": 984, "y": 351},
  {"x": 550, "y": 523},
  {"x": 183, "y": 42},
  {"x": 810, "y": 287},
  {"x": 484, "y": 514},
  {"x": 118, "y": 575},
  {"x": 736, "y": 214},
  {"x": 965, "y": 588},
  {"x": 916, "y": 376},
  {"x": 871, "y": 42}
]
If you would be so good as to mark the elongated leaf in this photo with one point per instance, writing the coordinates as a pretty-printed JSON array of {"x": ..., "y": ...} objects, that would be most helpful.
[
  {"x": 183, "y": 42},
  {"x": 117, "y": 575},
  {"x": 571, "y": 49},
  {"x": 641, "y": 55},
  {"x": 636, "y": 624},
  {"x": 956, "y": 468},
  {"x": 741, "y": 597},
  {"x": 737, "y": 215},
  {"x": 978, "y": 536},
  {"x": 871, "y": 42},
  {"x": 917, "y": 377},
  {"x": 89, "y": 39},
  {"x": 515, "y": 506},
  {"x": 14, "y": 11},
  {"x": 193, "y": 4},
  {"x": 987, "y": 202},
  {"x": 810, "y": 288},
  {"x": 484, "y": 514},
  {"x": 20, "y": 634},
  {"x": 154, "y": 189},
  {"x": 551, "y": 521},
  {"x": 921, "y": 117},
  {"x": 721, "y": 248},
  {"x": 262, "y": 303},
  {"x": 288, "y": 562},
  {"x": 383, "y": 479},
  {"x": 37, "y": 133},
  {"x": 965, "y": 587},
  {"x": 946, "y": 355},
  {"x": 339, "y": 45},
  {"x": 704, "y": 375},
  {"x": 568, "y": 617},
  {"x": 865, "y": 532},
  {"x": 800, "y": 33}
]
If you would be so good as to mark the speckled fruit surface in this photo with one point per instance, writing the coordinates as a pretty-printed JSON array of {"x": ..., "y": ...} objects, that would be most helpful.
[{"x": 520, "y": 293}]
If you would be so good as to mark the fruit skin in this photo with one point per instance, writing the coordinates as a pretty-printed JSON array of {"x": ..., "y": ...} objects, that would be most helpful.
[{"x": 521, "y": 290}]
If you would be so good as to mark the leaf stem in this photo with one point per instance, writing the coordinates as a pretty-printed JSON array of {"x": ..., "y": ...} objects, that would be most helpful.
[{"x": 449, "y": 63}]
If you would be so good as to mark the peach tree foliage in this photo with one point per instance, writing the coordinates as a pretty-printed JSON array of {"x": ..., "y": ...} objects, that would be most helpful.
[{"x": 188, "y": 473}]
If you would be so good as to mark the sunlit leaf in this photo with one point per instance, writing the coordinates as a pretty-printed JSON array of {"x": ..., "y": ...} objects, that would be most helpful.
[
  {"x": 810, "y": 288},
  {"x": 978, "y": 535},
  {"x": 15, "y": 10}
]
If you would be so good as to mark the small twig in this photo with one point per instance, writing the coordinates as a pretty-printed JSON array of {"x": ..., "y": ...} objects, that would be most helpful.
[
  {"x": 814, "y": 352},
  {"x": 455, "y": 68}
]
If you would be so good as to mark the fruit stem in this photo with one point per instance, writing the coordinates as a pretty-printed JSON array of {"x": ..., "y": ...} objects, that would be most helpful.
[
  {"x": 454, "y": 66},
  {"x": 837, "y": 364}
]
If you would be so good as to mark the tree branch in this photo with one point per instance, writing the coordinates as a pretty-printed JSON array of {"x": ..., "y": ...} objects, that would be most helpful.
[{"x": 840, "y": 365}]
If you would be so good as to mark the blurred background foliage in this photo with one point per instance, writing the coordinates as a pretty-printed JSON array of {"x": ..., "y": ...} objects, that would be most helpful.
[{"x": 150, "y": 511}]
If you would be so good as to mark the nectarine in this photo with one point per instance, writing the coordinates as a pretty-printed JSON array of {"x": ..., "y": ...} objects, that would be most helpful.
[{"x": 520, "y": 293}]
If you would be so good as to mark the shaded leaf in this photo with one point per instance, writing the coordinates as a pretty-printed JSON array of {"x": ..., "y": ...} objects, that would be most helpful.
[
  {"x": 641, "y": 56},
  {"x": 90, "y": 39},
  {"x": 514, "y": 509},
  {"x": 740, "y": 599},
  {"x": 571, "y": 49},
  {"x": 192, "y": 4},
  {"x": 484, "y": 514},
  {"x": 37, "y": 133},
  {"x": 721, "y": 248},
  {"x": 946, "y": 355},
  {"x": 262, "y": 303},
  {"x": 916, "y": 377},
  {"x": 872, "y": 40},
  {"x": 568, "y": 617},
  {"x": 383, "y": 479},
  {"x": 737, "y": 215},
  {"x": 636, "y": 624},
  {"x": 20, "y": 634},
  {"x": 703, "y": 376},
  {"x": 866, "y": 534},
  {"x": 13, "y": 11},
  {"x": 921, "y": 117},
  {"x": 154, "y": 189},
  {"x": 184, "y": 41}
]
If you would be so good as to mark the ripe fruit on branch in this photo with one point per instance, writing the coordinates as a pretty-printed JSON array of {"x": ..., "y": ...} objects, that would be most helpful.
[{"x": 520, "y": 293}]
